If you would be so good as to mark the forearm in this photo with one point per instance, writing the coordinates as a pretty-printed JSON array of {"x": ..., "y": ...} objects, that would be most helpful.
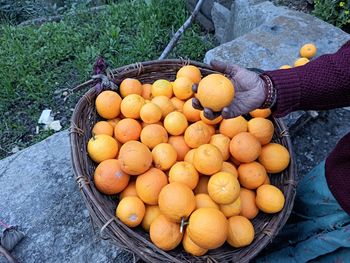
[{"x": 321, "y": 84}]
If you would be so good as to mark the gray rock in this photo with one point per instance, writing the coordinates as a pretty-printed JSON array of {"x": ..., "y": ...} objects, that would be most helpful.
[
  {"x": 277, "y": 42},
  {"x": 203, "y": 20},
  {"x": 247, "y": 15},
  {"x": 39, "y": 193},
  {"x": 220, "y": 16},
  {"x": 204, "y": 16}
]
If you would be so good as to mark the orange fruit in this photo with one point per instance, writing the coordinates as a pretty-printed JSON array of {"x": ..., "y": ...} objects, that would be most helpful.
[
  {"x": 143, "y": 124},
  {"x": 176, "y": 201},
  {"x": 223, "y": 188},
  {"x": 162, "y": 87},
  {"x": 262, "y": 129},
  {"x": 274, "y": 157},
  {"x": 102, "y": 127},
  {"x": 175, "y": 123},
  {"x": 245, "y": 147},
  {"x": 164, "y": 156},
  {"x": 131, "y": 211},
  {"x": 164, "y": 233},
  {"x": 180, "y": 146},
  {"x": 185, "y": 173},
  {"x": 102, "y": 147},
  {"x": 189, "y": 156},
  {"x": 204, "y": 200},
  {"x": 285, "y": 67},
  {"x": 231, "y": 127},
  {"x": 269, "y": 199},
  {"x": 267, "y": 180},
  {"x": 229, "y": 168},
  {"x": 202, "y": 186},
  {"x": 178, "y": 104},
  {"x": 191, "y": 247},
  {"x": 263, "y": 113},
  {"x": 131, "y": 106},
  {"x": 135, "y": 158},
  {"x": 222, "y": 142},
  {"x": 127, "y": 130},
  {"x": 108, "y": 104},
  {"x": 146, "y": 91},
  {"x": 207, "y": 159},
  {"x": 215, "y": 92},
  {"x": 109, "y": 178},
  {"x": 308, "y": 51},
  {"x": 248, "y": 205},
  {"x": 130, "y": 86},
  {"x": 149, "y": 185},
  {"x": 152, "y": 212},
  {"x": 165, "y": 104},
  {"x": 251, "y": 175},
  {"x": 235, "y": 161},
  {"x": 208, "y": 228},
  {"x": 231, "y": 209},
  {"x": 130, "y": 190},
  {"x": 240, "y": 231},
  {"x": 191, "y": 72},
  {"x": 197, "y": 134},
  {"x": 301, "y": 62},
  {"x": 208, "y": 121},
  {"x": 182, "y": 88},
  {"x": 113, "y": 122},
  {"x": 192, "y": 114},
  {"x": 210, "y": 128},
  {"x": 153, "y": 134},
  {"x": 150, "y": 113}
]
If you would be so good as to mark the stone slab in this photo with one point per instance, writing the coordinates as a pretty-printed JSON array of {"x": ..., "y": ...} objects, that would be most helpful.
[
  {"x": 220, "y": 16},
  {"x": 277, "y": 42},
  {"x": 245, "y": 15},
  {"x": 38, "y": 192}
]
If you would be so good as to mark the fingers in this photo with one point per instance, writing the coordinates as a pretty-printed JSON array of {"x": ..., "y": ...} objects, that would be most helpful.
[
  {"x": 208, "y": 113},
  {"x": 220, "y": 66},
  {"x": 228, "y": 113},
  {"x": 211, "y": 115},
  {"x": 194, "y": 88},
  {"x": 196, "y": 104}
]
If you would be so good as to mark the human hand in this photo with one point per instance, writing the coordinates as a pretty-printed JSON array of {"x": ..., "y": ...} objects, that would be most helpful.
[{"x": 249, "y": 91}]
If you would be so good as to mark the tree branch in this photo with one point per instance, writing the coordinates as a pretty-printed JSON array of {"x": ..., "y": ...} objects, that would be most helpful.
[{"x": 181, "y": 30}]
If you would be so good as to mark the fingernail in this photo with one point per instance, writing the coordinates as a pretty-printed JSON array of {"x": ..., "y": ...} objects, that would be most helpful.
[
  {"x": 196, "y": 104},
  {"x": 194, "y": 88}
]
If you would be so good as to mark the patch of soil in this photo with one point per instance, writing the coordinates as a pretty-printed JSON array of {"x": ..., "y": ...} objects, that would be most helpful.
[{"x": 313, "y": 143}]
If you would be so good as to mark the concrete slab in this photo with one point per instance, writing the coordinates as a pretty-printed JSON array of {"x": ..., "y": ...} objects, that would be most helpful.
[{"x": 38, "y": 192}]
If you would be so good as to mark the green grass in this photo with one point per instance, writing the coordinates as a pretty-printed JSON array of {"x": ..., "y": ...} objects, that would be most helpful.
[{"x": 39, "y": 63}]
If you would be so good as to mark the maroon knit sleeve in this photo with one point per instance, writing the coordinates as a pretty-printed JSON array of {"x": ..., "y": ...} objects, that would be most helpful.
[{"x": 323, "y": 83}]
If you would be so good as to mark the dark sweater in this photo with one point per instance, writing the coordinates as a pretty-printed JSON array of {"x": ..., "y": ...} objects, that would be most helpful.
[{"x": 323, "y": 83}]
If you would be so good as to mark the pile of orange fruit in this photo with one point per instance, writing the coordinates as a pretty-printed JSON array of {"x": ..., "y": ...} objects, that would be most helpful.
[
  {"x": 182, "y": 177},
  {"x": 306, "y": 52}
]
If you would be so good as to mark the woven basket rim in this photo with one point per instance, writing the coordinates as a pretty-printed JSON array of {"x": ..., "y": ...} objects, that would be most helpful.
[{"x": 111, "y": 224}]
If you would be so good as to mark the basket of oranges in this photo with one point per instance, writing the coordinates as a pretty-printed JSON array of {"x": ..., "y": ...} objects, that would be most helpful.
[{"x": 161, "y": 180}]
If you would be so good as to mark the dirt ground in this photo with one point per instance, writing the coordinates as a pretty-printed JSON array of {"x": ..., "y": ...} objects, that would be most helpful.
[{"x": 317, "y": 138}]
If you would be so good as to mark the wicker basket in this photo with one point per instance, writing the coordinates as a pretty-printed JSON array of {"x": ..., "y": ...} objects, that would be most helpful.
[{"x": 102, "y": 207}]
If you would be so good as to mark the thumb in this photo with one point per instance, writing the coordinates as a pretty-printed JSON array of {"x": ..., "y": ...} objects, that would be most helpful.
[
  {"x": 230, "y": 112},
  {"x": 222, "y": 67}
]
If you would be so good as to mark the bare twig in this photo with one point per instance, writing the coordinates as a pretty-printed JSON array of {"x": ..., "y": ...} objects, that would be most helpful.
[{"x": 181, "y": 30}]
